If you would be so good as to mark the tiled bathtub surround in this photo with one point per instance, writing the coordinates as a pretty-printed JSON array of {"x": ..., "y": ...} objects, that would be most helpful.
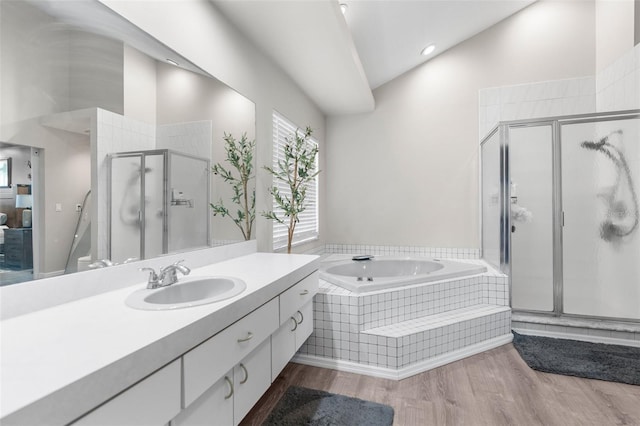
[
  {"x": 409, "y": 329},
  {"x": 403, "y": 344}
]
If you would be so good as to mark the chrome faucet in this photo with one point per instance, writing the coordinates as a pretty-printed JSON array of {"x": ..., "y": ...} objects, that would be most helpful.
[
  {"x": 166, "y": 276},
  {"x": 102, "y": 263}
]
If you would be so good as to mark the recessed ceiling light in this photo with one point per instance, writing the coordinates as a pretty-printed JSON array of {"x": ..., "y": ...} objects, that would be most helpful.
[
  {"x": 172, "y": 62},
  {"x": 428, "y": 50},
  {"x": 344, "y": 7}
]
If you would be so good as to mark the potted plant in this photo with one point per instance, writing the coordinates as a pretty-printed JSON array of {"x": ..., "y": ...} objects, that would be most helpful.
[
  {"x": 297, "y": 171},
  {"x": 240, "y": 157}
]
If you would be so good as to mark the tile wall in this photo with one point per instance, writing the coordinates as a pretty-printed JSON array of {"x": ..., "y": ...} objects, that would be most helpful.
[
  {"x": 535, "y": 100},
  {"x": 114, "y": 133},
  {"x": 618, "y": 85},
  {"x": 451, "y": 253},
  {"x": 192, "y": 138},
  {"x": 615, "y": 88}
]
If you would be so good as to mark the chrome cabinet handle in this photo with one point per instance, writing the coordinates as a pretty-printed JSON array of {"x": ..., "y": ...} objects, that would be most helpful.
[
  {"x": 304, "y": 292},
  {"x": 301, "y": 318},
  {"x": 230, "y": 383},
  {"x": 246, "y": 374},
  {"x": 295, "y": 322},
  {"x": 246, "y": 339}
]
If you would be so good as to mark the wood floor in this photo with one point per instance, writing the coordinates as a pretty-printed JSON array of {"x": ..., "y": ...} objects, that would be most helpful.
[{"x": 493, "y": 388}]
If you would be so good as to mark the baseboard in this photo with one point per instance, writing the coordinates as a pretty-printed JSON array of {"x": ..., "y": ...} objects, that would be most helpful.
[
  {"x": 581, "y": 337},
  {"x": 402, "y": 373}
]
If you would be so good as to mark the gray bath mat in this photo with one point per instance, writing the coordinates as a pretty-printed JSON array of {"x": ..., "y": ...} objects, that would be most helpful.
[
  {"x": 301, "y": 406},
  {"x": 613, "y": 363}
]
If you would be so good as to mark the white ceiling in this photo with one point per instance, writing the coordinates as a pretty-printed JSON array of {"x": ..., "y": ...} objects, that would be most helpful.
[
  {"x": 389, "y": 35},
  {"x": 338, "y": 59},
  {"x": 311, "y": 42}
]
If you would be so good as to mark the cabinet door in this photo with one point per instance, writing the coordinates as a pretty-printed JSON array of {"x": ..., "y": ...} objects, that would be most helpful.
[
  {"x": 283, "y": 346},
  {"x": 252, "y": 378},
  {"x": 205, "y": 364},
  {"x": 304, "y": 317},
  {"x": 153, "y": 401},
  {"x": 214, "y": 407}
]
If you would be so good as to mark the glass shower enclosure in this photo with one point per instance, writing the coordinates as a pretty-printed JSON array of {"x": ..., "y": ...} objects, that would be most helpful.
[
  {"x": 561, "y": 214},
  {"x": 158, "y": 204}
]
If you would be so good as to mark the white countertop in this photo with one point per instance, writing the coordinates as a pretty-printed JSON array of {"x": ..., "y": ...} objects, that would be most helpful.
[{"x": 58, "y": 363}]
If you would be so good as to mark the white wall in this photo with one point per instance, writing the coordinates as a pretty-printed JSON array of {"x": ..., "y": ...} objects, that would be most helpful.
[
  {"x": 139, "y": 85},
  {"x": 200, "y": 33},
  {"x": 407, "y": 172},
  {"x": 184, "y": 96},
  {"x": 614, "y": 30}
]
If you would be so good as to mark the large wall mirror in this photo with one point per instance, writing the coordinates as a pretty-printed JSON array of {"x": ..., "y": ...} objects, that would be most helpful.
[{"x": 111, "y": 143}]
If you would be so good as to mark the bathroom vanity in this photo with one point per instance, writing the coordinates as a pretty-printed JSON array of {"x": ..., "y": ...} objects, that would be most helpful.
[{"x": 98, "y": 361}]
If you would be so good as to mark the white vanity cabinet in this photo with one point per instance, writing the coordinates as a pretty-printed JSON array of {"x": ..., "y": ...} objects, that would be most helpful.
[
  {"x": 153, "y": 401},
  {"x": 220, "y": 380}
]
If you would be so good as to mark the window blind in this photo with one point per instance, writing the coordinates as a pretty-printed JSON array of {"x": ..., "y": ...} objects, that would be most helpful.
[{"x": 307, "y": 227}]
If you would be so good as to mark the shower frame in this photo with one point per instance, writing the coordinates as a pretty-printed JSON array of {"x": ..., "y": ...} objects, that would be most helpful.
[
  {"x": 166, "y": 179},
  {"x": 502, "y": 128}
]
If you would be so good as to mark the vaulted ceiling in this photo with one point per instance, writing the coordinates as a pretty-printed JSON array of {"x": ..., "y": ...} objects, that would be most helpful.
[{"x": 338, "y": 59}]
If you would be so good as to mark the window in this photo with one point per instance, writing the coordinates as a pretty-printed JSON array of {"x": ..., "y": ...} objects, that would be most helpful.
[{"x": 307, "y": 227}]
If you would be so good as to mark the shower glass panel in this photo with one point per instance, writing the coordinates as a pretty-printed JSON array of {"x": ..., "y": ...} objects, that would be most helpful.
[
  {"x": 491, "y": 206},
  {"x": 154, "y": 189},
  {"x": 125, "y": 195},
  {"x": 159, "y": 203},
  {"x": 601, "y": 234},
  {"x": 531, "y": 208},
  {"x": 569, "y": 233},
  {"x": 188, "y": 226}
]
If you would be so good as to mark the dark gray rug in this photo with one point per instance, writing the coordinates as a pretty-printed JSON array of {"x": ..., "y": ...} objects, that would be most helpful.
[
  {"x": 301, "y": 406},
  {"x": 613, "y": 363}
]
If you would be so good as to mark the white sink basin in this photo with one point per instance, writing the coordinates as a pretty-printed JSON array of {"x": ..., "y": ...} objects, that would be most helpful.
[{"x": 187, "y": 292}]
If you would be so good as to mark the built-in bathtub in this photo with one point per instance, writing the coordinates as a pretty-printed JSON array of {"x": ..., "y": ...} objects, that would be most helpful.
[{"x": 380, "y": 273}]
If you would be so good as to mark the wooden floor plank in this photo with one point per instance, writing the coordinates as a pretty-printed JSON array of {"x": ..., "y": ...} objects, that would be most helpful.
[{"x": 492, "y": 388}]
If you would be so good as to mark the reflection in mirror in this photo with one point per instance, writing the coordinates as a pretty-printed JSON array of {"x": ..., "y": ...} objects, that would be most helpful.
[
  {"x": 5, "y": 172},
  {"x": 81, "y": 85}
]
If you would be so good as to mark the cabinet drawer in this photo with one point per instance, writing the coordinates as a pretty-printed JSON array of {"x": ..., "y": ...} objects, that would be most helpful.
[
  {"x": 13, "y": 256},
  {"x": 205, "y": 364},
  {"x": 295, "y": 297},
  {"x": 12, "y": 238},
  {"x": 153, "y": 401}
]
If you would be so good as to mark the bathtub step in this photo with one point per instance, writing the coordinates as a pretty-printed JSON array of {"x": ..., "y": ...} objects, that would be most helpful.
[
  {"x": 431, "y": 322},
  {"x": 404, "y": 343}
]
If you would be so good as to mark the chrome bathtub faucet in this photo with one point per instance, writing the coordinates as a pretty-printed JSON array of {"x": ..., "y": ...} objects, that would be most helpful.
[{"x": 166, "y": 276}]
